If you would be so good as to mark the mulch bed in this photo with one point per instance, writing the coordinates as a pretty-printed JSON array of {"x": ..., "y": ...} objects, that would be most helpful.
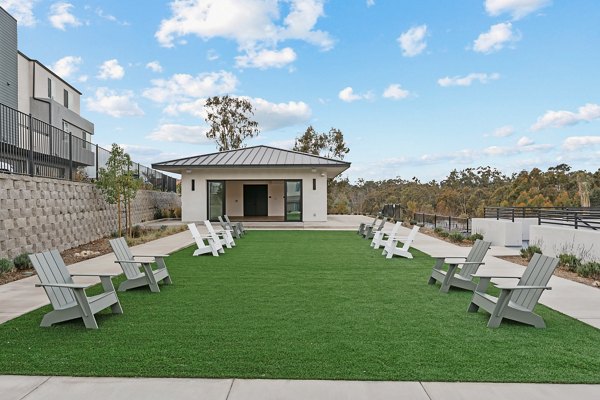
[{"x": 560, "y": 272}]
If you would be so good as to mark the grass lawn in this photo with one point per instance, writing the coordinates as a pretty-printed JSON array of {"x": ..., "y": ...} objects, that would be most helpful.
[{"x": 300, "y": 304}]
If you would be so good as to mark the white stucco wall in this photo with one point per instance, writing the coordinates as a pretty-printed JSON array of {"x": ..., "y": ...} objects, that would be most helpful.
[
  {"x": 234, "y": 192},
  {"x": 555, "y": 240},
  {"x": 194, "y": 206},
  {"x": 500, "y": 232}
]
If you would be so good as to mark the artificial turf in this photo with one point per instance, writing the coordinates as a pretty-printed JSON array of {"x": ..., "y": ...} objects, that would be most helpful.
[{"x": 303, "y": 305}]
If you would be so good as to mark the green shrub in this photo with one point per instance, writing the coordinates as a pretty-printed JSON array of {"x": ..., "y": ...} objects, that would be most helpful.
[
  {"x": 569, "y": 261},
  {"x": 438, "y": 230},
  {"x": 5, "y": 265},
  {"x": 136, "y": 231},
  {"x": 456, "y": 237},
  {"x": 158, "y": 213},
  {"x": 444, "y": 234},
  {"x": 476, "y": 236},
  {"x": 589, "y": 270},
  {"x": 529, "y": 251},
  {"x": 22, "y": 261}
]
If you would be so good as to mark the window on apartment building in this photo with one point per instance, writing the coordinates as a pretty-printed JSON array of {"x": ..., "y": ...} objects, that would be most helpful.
[
  {"x": 66, "y": 98},
  {"x": 49, "y": 88}
]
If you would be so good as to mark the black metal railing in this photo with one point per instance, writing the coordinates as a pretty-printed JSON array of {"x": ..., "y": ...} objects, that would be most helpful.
[
  {"x": 575, "y": 217},
  {"x": 32, "y": 147},
  {"x": 393, "y": 211},
  {"x": 445, "y": 222}
]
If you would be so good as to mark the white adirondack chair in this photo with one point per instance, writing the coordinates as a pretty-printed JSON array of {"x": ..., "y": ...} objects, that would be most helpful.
[
  {"x": 69, "y": 299},
  {"x": 214, "y": 246},
  {"x": 459, "y": 277},
  {"x": 131, "y": 267},
  {"x": 224, "y": 236},
  {"x": 391, "y": 246},
  {"x": 515, "y": 302},
  {"x": 232, "y": 228},
  {"x": 239, "y": 225},
  {"x": 380, "y": 236}
]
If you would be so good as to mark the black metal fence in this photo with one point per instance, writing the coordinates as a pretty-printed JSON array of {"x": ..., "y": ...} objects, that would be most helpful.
[
  {"x": 445, "y": 222},
  {"x": 448, "y": 223},
  {"x": 574, "y": 217},
  {"x": 32, "y": 147}
]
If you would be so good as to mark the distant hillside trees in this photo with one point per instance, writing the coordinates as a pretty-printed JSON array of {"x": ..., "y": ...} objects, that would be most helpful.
[{"x": 466, "y": 192}]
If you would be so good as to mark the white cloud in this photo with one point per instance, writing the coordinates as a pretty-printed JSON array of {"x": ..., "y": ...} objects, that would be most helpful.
[
  {"x": 183, "y": 87},
  {"x": 192, "y": 134},
  {"x": 283, "y": 144},
  {"x": 66, "y": 66},
  {"x": 496, "y": 38},
  {"x": 264, "y": 59},
  {"x": 111, "y": 69},
  {"x": 271, "y": 116},
  {"x": 253, "y": 24},
  {"x": 504, "y": 131},
  {"x": 100, "y": 12},
  {"x": 517, "y": 8},
  {"x": 22, "y": 10},
  {"x": 83, "y": 78},
  {"x": 154, "y": 66},
  {"x": 212, "y": 55},
  {"x": 412, "y": 41},
  {"x": 113, "y": 103},
  {"x": 394, "y": 91},
  {"x": 524, "y": 141},
  {"x": 576, "y": 142},
  {"x": 370, "y": 3},
  {"x": 60, "y": 16},
  {"x": 468, "y": 79},
  {"x": 559, "y": 119},
  {"x": 347, "y": 94}
]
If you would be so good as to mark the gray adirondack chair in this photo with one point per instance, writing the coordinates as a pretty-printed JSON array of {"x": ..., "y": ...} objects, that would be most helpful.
[
  {"x": 363, "y": 225},
  {"x": 391, "y": 246},
  {"x": 239, "y": 225},
  {"x": 233, "y": 228},
  {"x": 69, "y": 299},
  {"x": 459, "y": 276},
  {"x": 370, "y": 230},
  {"x": 214, "y": 246},
  {"x": 131, "y": 267},
  {"x": 515, "y": 302}
]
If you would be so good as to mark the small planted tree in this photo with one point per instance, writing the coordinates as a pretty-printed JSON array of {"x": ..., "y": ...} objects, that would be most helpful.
[
  {"x": 230, "y": 120},
  {"x": 117, "y": 183}
]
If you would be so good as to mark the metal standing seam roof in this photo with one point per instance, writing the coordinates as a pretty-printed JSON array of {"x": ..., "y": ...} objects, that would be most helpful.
[{"x": 256, "y": 156}]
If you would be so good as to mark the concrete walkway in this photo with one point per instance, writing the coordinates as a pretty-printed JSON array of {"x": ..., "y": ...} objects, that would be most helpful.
[
  {"x": 67, "y": 388},
  {"x": 17, "y": 298}
]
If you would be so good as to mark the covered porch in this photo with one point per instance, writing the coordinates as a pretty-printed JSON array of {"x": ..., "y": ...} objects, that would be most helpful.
[{"x": 251, "y": 200}]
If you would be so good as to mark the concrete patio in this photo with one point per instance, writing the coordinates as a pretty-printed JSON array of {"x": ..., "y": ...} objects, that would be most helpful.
[{"x": 577, "y": 300}]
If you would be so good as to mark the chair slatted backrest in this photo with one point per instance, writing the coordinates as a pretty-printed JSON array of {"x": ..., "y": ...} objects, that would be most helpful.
[
  {"x": 224, "y": 224},
  {"x": 538, "y": 273},
  {"x": 122, "y": 252},
  {"x": 227, "y": 219},
  {"x": 212, "y": 233},
  {"x": 381, "y": 225},
  {"x": 196, "y": 235},
  {"x": 51, "y": 268},
  {"x": 410, "y": 238},
  {"x": 477, "y": 253},
  {"x": 396, "y": 228}
]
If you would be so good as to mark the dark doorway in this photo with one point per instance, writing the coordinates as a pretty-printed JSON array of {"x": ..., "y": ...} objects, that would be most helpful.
[{"x": 256, "y": 200}]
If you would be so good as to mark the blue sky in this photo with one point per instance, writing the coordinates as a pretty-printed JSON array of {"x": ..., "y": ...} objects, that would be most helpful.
[{"x": 417, "y": 87}]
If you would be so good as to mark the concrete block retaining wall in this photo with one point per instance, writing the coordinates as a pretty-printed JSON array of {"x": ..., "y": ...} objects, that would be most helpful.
[
  {"x": 38, "y": 214},
  {"x": 556, "y": 240}
]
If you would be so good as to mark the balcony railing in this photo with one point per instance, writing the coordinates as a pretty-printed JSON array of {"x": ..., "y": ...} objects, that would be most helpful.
[
  {"x": 32, "y": 147},
  {"x": 574, "y": 217}
]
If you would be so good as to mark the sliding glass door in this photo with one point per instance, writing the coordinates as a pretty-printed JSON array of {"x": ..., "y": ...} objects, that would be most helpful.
[
  {"x": 293, "y": 200},
  {"x": 216, "y": 199}
]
